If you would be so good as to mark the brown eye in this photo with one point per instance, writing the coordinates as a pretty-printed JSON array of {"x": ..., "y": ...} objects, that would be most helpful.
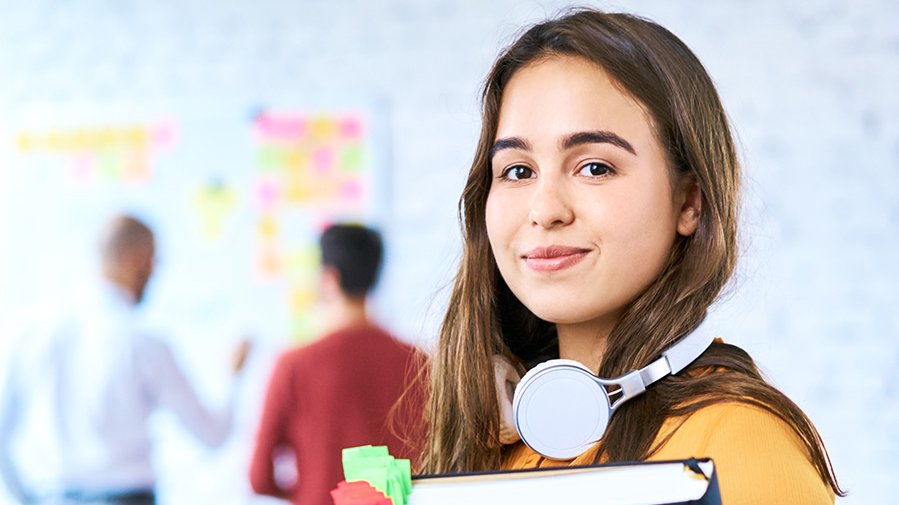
[
  {"x": 518, "y": 172},
  {"x": 595, "y": 169}
]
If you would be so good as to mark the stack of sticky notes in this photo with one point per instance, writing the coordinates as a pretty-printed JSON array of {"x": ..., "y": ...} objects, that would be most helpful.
[{"x": 374, "y": 467}]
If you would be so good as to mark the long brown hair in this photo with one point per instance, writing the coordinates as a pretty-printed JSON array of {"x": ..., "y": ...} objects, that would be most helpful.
[{"x": 484, "y": 318}]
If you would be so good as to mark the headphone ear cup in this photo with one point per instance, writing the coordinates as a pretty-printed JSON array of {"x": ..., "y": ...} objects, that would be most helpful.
[{"x": 561, "y": 410}]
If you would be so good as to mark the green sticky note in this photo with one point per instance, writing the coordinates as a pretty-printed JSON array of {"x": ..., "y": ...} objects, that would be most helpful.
[{"x": 406, "y": 471}]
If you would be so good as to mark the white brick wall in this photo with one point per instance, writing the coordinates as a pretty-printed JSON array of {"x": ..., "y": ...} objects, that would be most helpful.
[{"x": 810, "y": 86}]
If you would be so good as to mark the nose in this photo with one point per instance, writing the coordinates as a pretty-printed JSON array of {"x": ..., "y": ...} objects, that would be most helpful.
[{"x": 550, "y": 205}]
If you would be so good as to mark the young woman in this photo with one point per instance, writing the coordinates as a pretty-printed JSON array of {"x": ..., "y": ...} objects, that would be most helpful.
[{"x": 600, "y": 223}]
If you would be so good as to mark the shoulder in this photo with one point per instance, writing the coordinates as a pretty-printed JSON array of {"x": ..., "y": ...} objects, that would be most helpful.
[
  {"x": 715, "y": 420},
  {"x": 290, "y": 359},
  {"x": 304, "y": 359},
  {"x": 320, "y": 350},
  {"x": 369, "y": 337},
  {"x": 736, "y": 423},
  {"x": 387, "y": 340},
  {"x": 360, "y": 348},
  {"x": 37, "y": 334},
  {"x": 758, "y": 456},
  {"x": 154, "y": 357}
]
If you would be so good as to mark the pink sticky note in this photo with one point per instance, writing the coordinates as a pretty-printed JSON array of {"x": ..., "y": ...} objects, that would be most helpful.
[
  {"x": 323, "y": 160},
  {"x": 351, "y": 190},
  {"x": 163, "y": 135},
  {"x": 351, "y": 127},
  {"x": 293, "y": 127},
  {"x": 269, "y": 126},
  {"x": 81, "y": 168},
  {"x": 267, "y": 195}
]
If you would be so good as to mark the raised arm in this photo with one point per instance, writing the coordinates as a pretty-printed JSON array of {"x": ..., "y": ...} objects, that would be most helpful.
[
  {"x": 272, "y": 434},
  {"x": 169, "y": 388}
]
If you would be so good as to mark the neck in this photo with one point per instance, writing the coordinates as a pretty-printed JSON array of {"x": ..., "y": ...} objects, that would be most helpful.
[
  {"x": 345, "y": 312},
  {"x": 585, "y": 342},
  {"x": 122, "y": 283}
]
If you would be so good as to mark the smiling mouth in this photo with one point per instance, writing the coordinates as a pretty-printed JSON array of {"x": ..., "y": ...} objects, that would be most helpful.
[{"x": 553, "y": 258}]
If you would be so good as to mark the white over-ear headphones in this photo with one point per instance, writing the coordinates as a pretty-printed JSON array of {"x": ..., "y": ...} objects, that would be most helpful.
[{"x": 561, "y": 409}]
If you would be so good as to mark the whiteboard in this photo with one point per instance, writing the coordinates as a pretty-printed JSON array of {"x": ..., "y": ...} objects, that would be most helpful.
[{"x": 236, "y": 197}]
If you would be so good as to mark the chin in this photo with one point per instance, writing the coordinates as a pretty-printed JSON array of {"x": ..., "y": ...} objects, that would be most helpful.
[
  {"x": 563, "y": 312},
  {"x": 571, "y": 307}
]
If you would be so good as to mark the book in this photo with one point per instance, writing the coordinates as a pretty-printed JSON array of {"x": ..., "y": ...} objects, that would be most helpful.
[
  {"x": 374, "y": 477},
  {"x": 682, "y": 482}
]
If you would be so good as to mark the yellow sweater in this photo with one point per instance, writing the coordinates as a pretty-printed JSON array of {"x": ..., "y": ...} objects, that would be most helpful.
[{"x": 758, "y": 457}]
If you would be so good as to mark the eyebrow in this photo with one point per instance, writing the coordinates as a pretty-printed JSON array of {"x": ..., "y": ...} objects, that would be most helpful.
[
  {"x": 572, "y": 140},
  {"x": 508, "y": 143},
  {"x": 597, "y": 137}
]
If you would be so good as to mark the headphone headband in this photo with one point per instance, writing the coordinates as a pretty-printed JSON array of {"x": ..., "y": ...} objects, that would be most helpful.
[
  {"x": 678, "y": 356},
  {"x": 688, "y": 348}
]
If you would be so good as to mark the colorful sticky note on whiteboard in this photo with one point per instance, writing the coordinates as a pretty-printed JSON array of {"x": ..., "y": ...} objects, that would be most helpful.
[
  {"x": 268, "y": 228},
  {"x": 112, "y": 153},
  {"x": 25, "y": 142},
  {"x": 269, "y": 262},
  {"x": 214, "y": 203},
  {"x": 81, "y": 167},
  {"x": 304, "y": 326},
  {"x": 322, "y": 128},
  {"x": 164, "y": 134},
  {"x": 296, "y": 192},
  {"x": 303, "y": 262},
  {"x": 323, "y": 160},
  {"x": 352, "y": 190},
  {"x": 303, "y": 298},
  {"x": 267, "y": 195},
  {"x": 351, "y": 158},
  {"x": 279, "y": 127},
  {"x": 268, "y": 157},
  {"x": 351, "y": 127}
]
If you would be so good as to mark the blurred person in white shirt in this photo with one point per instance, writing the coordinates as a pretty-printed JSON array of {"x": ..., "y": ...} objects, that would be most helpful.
[{"x": 104, "y": 378}]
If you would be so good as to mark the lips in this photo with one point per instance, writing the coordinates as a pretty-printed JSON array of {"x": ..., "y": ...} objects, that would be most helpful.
[{"x": 554, "y": 258}]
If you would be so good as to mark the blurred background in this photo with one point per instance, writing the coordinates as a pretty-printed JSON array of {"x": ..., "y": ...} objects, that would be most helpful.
[{"x": 183, "y": 113}]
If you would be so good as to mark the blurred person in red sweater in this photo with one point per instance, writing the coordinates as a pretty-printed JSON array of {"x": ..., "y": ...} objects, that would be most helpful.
[{"x": 344, "y": 389}]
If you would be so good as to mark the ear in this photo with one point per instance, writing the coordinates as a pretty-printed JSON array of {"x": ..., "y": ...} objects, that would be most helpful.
[{"x": 690, "y": 206}]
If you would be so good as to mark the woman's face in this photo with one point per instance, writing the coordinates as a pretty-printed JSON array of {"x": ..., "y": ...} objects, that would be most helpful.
[{"x": 582, "y": 212}]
